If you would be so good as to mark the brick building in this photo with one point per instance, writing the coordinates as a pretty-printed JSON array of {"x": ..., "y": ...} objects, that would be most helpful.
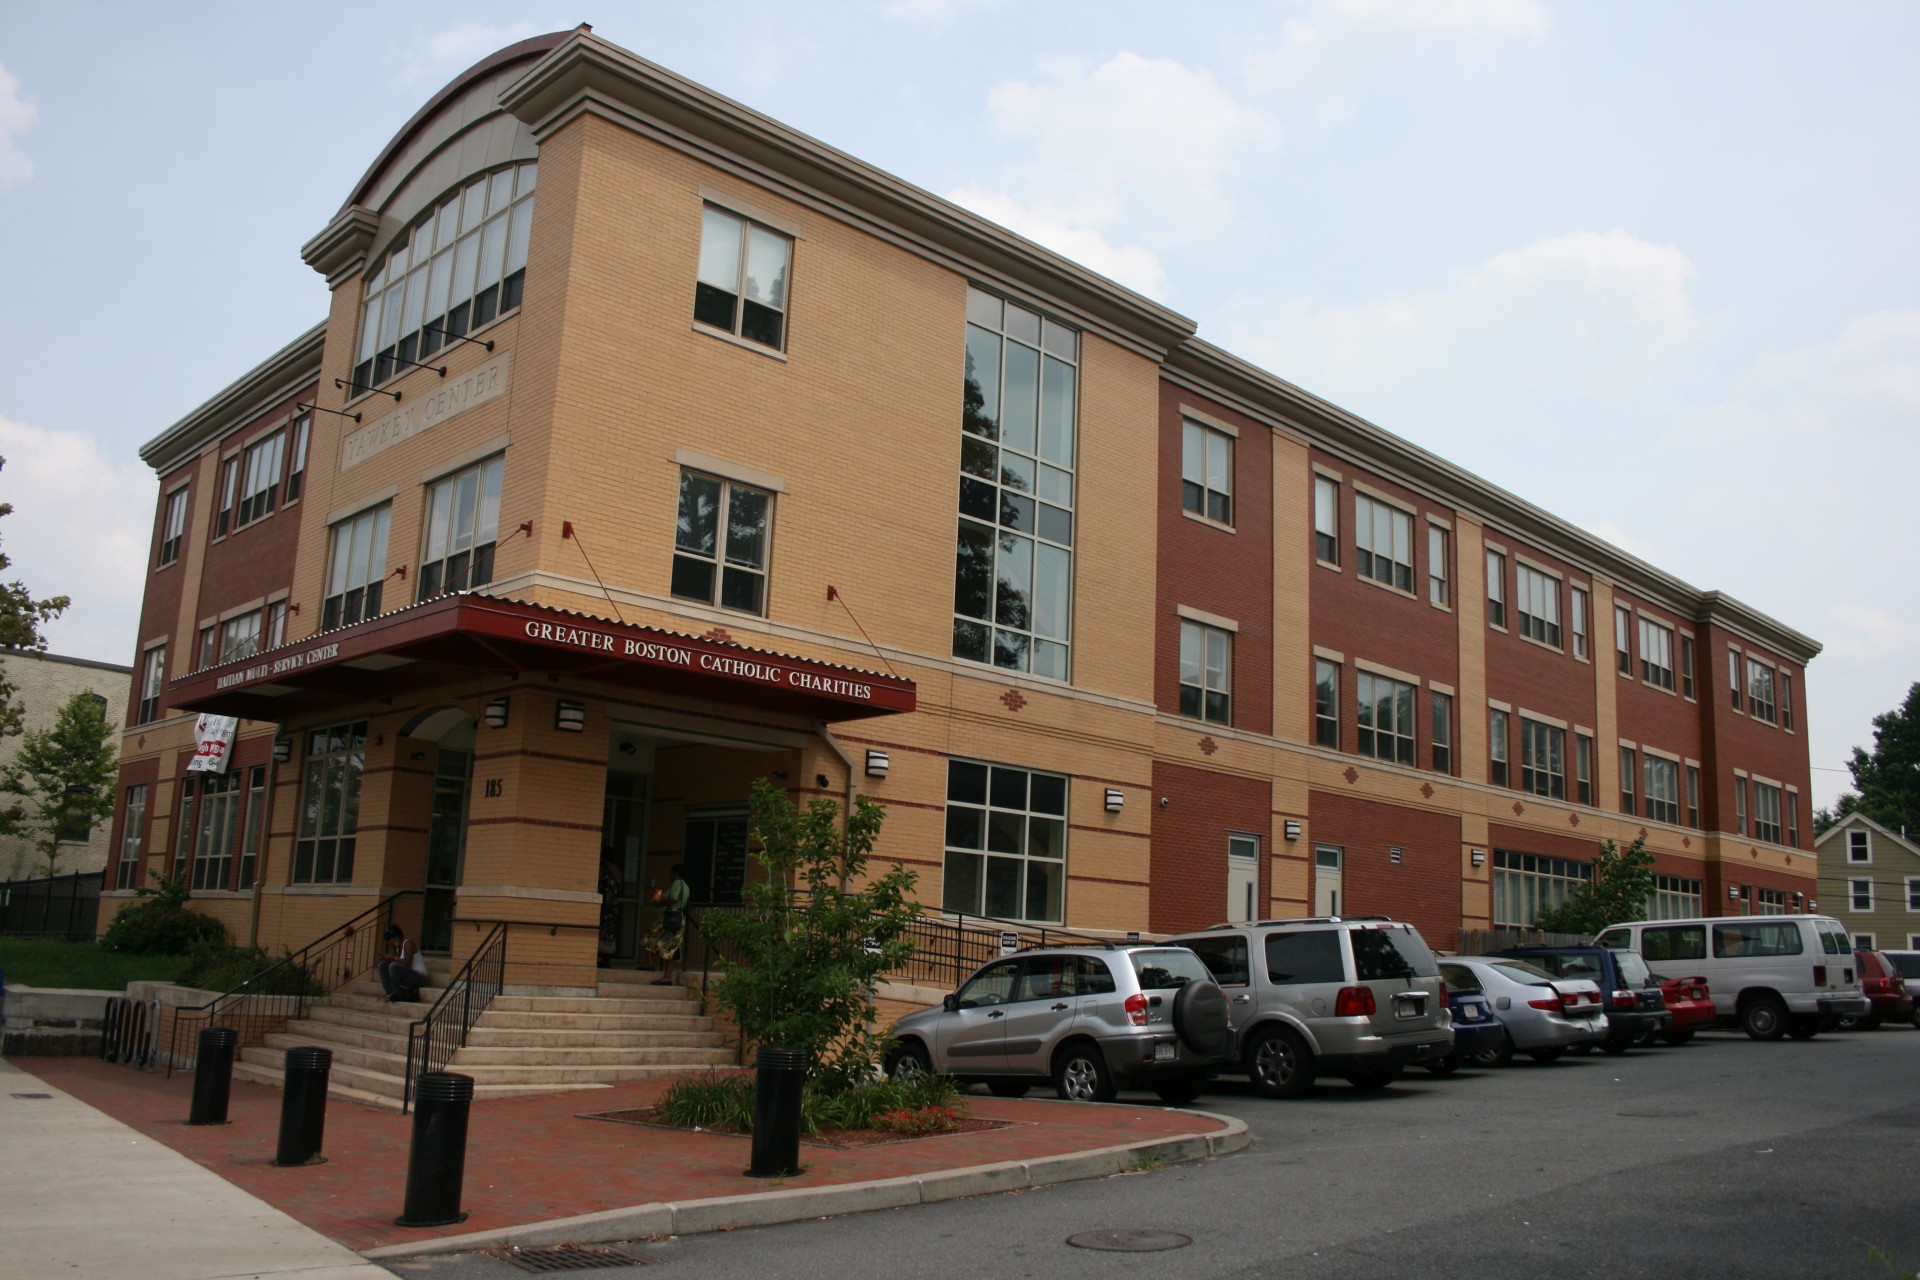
[
  {"x": 742, "y": 458},
  {"x": 44, "y": 683}
]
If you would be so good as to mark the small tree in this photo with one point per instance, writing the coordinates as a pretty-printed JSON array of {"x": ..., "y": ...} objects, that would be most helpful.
[
  {"x": 21, "y": 617},
  {"x": 809, "y": 946},
  {"x": 1621, "y": 887},
  {"x": 63, "y": 778}
]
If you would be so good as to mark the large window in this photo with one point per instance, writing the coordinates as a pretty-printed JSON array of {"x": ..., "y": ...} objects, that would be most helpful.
[
  {"x": 1628, "y": 767},
  {"x": 1674, "y": 898},
  {"x": 1326, "y": 519},
  {"x": 212, "y": 834},
  {"x": 1860, "y": 895},
  {"x": 229, "y": 493},
  {"x": 1206, "y": 672},
  {"x": 240, "y": 637},
  {"x": 1766, "y": 811},
  {"x": 356, "y": 568},
  {"x": 1539, "y": 601},
  {"x": 175, "y": 528},
  {"x": 1006, "y": 844},
  {"x": 1497, "y": 588},
  {"x": 1526, "y": 883},
  {"x": 1386, "y": 718},
  {"x": 720, "y": 543},
  {"x": 1497, "y": 757},
  {"x": 1383, "y": 542},
  {"x": 1439, "y": 561},
  {"x": 463, "y": 523},
  {"x": 256, "y": 832},
  {"x": 1442, "y": 733},
  {"x": 132, "y": 836},
  {"x": 1013, "y": 575},
  {"x": 1206, "y": 472},
  {"x": 1759, "y": 690},
  {"x": 1326, "y": 703},
  {"x": 742, "y": 289},
  {"x": 1579, "y": 608},
  {"x": 1656, "y": 653},
  {"x": 1770, "y": 902},
  {"x": 260, "y": 491},
  {"x": 461, "y": 264},
  {"x": 153, "y": 682},
  {"x": 1663, "y": 788},
  {"x": 329, "y": 818},
  {"x": 1543, "y": 762}
]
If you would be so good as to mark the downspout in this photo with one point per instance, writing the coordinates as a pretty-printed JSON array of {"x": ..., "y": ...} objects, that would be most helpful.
[
  {"x": 266, "y": 843},
  {"x": 853, "y": 783}
]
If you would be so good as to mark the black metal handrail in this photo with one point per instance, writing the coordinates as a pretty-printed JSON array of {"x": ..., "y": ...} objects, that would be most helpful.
[
  {"x": 433, "y": 1039},
  {"x": 285, "y": 990}
]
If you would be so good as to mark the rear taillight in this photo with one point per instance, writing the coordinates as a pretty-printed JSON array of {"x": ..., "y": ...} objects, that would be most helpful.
[
  {"x": 1593, "y": 997},
  {"x": 1699, "y": 993},
  {"x": 1626, "y": 999},
  {"x": 1819, "y": 975},
  {"x": 1443, "y": 992},
  {"x": 1545, "y": 1002},
  {"x": 1569, "y": 998},
  {"x": 1137, "y": 1010},
  {"x": 1354, "y": 1002}
]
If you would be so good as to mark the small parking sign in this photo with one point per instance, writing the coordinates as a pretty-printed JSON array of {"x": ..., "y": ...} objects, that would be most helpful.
[{"x": 1009, "y": 942}]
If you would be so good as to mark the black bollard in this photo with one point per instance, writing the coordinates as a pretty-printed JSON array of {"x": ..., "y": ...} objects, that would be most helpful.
[
  {"x": 436, "y": 1164},
  {"x": 303, "y": 1107},
  {"x": 776, "y": 1112},
  {"x": 213, "y": 1076}
]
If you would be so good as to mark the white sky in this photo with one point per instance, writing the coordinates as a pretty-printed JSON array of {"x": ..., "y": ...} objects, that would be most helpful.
[{"x": 1653, "y": 267}]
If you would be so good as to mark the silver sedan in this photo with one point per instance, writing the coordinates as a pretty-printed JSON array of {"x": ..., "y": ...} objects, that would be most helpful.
[{"x": 1544, "y": 1016}]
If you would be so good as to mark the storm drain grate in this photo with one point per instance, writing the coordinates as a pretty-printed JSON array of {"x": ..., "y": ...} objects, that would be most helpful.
[
  {"x": 1130, "y": 1240},
  {"x": 33, "y": 1095},
  {"x": 572, "y": 1257}
]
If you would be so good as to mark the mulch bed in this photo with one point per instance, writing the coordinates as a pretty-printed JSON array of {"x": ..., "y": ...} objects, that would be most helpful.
[{"x": 840, "y": 1138}]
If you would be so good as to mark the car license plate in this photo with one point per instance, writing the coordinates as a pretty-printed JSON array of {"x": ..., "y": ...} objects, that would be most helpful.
[
  {"x": 1470, "y": 1014},
  {"x": 1164, "y": 1052}
]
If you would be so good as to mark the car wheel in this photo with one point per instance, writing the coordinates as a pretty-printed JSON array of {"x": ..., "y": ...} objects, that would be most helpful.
[
  {"x": 1178, "y": 1093},
  {"x": 1373, "y": 1077},
  {"x": 1764, "y": 1018},
  {"x": 1279, "y": 1063},
  {"x": 1009, "y": 1088},
  {"x": 1498, "y": 1056},
  {"x": 1644, "y": 1039},
  {"x": 1200, "y": 1019},
  {"x": 1443, "y": 1066},
  {"x": 1676, "y": 1037},
  {"x": 1547, "y": 1055},
  {"x": 908, "y": 1061},
  {"x": 1616, "y": 1045},
  {"x": 1080, "y": 1074},
  {"x": 1916, "y": 1017}
]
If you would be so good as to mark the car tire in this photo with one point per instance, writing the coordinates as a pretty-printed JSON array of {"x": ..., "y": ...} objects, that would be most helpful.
[
  {"x": 1616, "y": 1045},
  {"x": 1180, "y": 1092},
  {"x": 1200, "y": 1019},
  {"x": 1764, "y": 1018},
  {"x": 1443, "y": 1066},
  {"x": 908, "y": 1060},
  {"x": 1498, "y": 1056},
  {"x": 1860, "y": 1022},
  {"x": 1544, "y": 1056},
  {"x": 1008, "y": 1088},
  {"x": 1916, "y": 1017},
  {"x": 1676, "y": 1037},
  {"x": 1279, "y": 1064},
  {"x": 1374, "y": 1077},
  {"x": 1080, "y": 1074}
]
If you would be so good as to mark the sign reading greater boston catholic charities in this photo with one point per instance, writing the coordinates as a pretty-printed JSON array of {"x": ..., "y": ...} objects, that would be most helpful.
[
  {"x": 445, "y": 400},
  {"x": 213, "y": 739}
]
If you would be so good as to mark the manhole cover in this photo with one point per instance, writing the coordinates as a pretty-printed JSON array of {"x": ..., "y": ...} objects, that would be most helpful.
[
  {"x": 1130, "y": 1240},
  {"x": 572, "y": 1257},
  {"x": 1658, "y": 1113},
  {"x": 33, "y": 1095}
]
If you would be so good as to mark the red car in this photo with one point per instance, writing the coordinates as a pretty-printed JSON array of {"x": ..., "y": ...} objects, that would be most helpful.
[
  {"x": 1884, "y": 988},
  {"x": 1691, "y": 1005}
]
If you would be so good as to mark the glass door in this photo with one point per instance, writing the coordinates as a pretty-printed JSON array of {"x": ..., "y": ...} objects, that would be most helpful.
[
  {"x": 716, "y": 854},
  {"x": 446, "y": 841},
  {"x": 623, "y": 843}
]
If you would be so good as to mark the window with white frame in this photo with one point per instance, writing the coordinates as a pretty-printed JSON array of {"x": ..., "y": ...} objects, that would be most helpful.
[
  {"x": 456, "y": 268},
  {"x": 328, "y": 823},
  {"x": 1766, "y": 811},
  {"x": 1663, "y": 788},
  {"x": 1865, "y": 942},
  {"x": 240, "y": 637},
  {"x": 208, "y": 651},
  {"x": 743, "y": 278},
  {"x": 153, "y": 681},
  {"x": 173, "y": 530},
  {"x": 1326, "y": 519},
  {"x": 1859, "y": 845},
  {"x": 297, "y": 463},
  {"x": 256, "y": 830},
  {"x": 1693, "y": 796},
  {"x": 1769, "y": 902},
  {"x": 1006, "y": 842},
  {"x": 1206, "y": 672},
  {"x": 1759, "y": 690},
  {"x": 1629, "y": 766},
  {"x": 1583, "y": 767},
  {"x": 1740, "y": 804},
  {"x": 1326, "y": 703},
  {"x": 229, "y": 494},
  {"x": 720, "y": 541},
  {"x": 1686, "y": 666},
  {"x": 1656, "y": 653},
  {"x": 1793, "y": 817},
  {"x": 1733, "y": 676},
  {"x": 1623, "y": 640},
  {"x": 1674, "y": 898},
  {"x": 1013, "y": 562},
  {"x": 1206, "y": 471},
  {"x": 1382, "y": 542},
  {"x": 1538, "y": 596},
  {"x": 1442, "y": 732},
  {"x": 1525, "y": 884},
  {"x": 132, "y": 836},
  {"x": 1439, "y": 560},
  {"x": 261, "y": 490},
  {"x": 212, "y": 833},
  {"x": 1913, "y": 893},
  {"x": 356, "y": 568},
  {"x": 1497, "y": 747},
  {"x": 1497, "y": 588},
  {"x": 1579, "y": 609},
  {"x": 1386, "y": 728},
  {"x": 1786, "y": 701},
  {"x": 462, "y": 528},
  {"x": 276, "y": 624},
  {"x": 1543, "y": 764},
  {"x": 1860, "y": 895}
]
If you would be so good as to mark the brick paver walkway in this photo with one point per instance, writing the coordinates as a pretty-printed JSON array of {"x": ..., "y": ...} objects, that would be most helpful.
[{"x": 533, "y": 1159}]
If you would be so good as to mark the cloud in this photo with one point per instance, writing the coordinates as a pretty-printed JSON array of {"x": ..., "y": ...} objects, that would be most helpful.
[
  {"x": 435, "y": 58},
  {"x": 1861, "y": 387},
  {"x": 16, "y": 117},
  {"x": 1130, "y": 265},
  {"x": 935, "y": 13},
  {"x": 80, "y": 527}
]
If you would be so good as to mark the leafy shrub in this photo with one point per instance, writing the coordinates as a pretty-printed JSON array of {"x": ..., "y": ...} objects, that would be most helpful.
[
  {"x": 709, "y": 1102},
  {"x": 726, "y": 1102},
  {"x": 858, "y": 1106},
  {"x": 160, "y": 924},
  {"x": 216, "y": 966}
]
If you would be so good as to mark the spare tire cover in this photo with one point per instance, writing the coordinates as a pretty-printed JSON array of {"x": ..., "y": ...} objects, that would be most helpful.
[{"x": 1200, "y": 1017}]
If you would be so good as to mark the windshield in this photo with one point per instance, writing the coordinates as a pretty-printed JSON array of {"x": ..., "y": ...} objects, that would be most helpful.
[
  {"x": 1392, "y": 952},
  {"x": 1164, "y": 968},
  {"x": 1521, "y": 971},
  {"x": 1633, "y": 970}
]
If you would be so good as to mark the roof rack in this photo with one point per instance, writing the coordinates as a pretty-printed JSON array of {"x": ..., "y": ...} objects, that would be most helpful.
[{"x": 1268, "y": 924}]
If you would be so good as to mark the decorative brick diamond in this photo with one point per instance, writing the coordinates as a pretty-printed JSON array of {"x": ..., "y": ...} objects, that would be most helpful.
[
  {"x": 1574, "y": 818},
  {"x": 1426, "y": 789},
  {"x": 1012, "y": 700},
  {"x": 719, "y": 633},
  {"x": 1518, "y": 808},
  {"x": 1352, "y": 775},
  {"x": 1209, "y": 746},
  {"x": 1686, "y": 842}
]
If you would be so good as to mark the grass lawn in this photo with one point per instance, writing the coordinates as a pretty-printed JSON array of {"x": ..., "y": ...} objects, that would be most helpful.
[{"x": 54, "y": 962}]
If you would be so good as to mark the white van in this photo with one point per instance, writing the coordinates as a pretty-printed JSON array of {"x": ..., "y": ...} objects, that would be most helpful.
[{"x": 1770, "y": 975}]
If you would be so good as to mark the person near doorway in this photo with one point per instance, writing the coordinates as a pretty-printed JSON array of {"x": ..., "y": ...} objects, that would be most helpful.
[
  {"x": 402, "y": 969},
  {"x": 672, "y": 934},
  {"x": 610, "y": 882}
]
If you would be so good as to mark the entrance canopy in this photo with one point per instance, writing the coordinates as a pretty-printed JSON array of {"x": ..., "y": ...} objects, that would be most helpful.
[{"x": 454, "y": 637}]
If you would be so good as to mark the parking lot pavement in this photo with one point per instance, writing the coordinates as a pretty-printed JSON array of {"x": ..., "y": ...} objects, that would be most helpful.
[{"x": 1720, "y": 1158}]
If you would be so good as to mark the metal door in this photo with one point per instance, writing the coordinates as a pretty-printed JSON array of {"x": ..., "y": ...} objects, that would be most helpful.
[
  {"x": 1243, "y": 878},
  {"x": 1326, "y": 880},
  {"x": 446, "y": 843}
]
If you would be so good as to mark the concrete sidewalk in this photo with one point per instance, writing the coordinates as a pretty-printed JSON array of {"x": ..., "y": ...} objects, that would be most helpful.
[{"x": 82, "y": 1194}]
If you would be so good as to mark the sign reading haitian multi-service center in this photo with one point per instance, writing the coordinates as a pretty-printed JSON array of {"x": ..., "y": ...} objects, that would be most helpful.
[{"x": 444, "y": 400}]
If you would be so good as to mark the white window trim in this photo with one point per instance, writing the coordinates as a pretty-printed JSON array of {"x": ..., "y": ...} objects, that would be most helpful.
[
  {"x": 360, "y": 506},
  {"x": 1331, "y": 655},
  {"x": 461, "y": 461},
  {"x": 1208, "y": 420},
  {"x": 1542, "y": 719},
  {"x": 1392, "y": 673},
  {"x": 746, "y": 209},
  {"x": 1208, "y": 619}
]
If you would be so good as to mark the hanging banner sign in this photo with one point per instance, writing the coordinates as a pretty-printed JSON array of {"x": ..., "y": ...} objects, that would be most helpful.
[{"x": 213, "y": 736}]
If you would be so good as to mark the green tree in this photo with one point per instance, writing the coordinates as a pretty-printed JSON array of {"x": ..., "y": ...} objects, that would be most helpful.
[
  {"x": 808, "y": 947},
  {"x": 61, "y": 778},
  {"x": 1886, "y": 781},
  {"x": 1621, "y": 887},
  {"x": 21, "y": 617}
]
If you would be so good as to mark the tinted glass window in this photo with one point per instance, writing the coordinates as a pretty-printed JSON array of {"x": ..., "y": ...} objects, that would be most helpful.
[
  {"x": 1521, "y": 971},
  {"x": 1094, "y": 977},
  {"x": 1225, "y": 958},
  {"x": 1570, "y": 964},
  {"x": 1905, "y": 963},
  {"x": 1633, "y": 970},
  {"x": 1305, "y": 957},
  {"x": 1047, "y": 977},
  {"x": 1753, "y": 938},
  {"x": 1835, "y": 941},
  {"x": 1460, "y": 978},
  {"x": 1161, "y": 970},
  {"x": 1678, "y": 942},
  {"x": 1616, "y": 938},
  {"x": 1391, "y": 953},
  {"x": 992, "y": 985}
]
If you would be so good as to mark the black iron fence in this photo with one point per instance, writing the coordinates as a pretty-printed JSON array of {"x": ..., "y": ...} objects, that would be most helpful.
[
  {"x": 433, "y": 1039},
  {"x": 51, "y": 907}
]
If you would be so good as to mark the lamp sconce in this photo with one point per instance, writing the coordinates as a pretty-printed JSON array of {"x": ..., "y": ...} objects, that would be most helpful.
[
  {"x": 570, "y": 717},
  {"x": 1733, "y": 893},
  {"x": 1393, "y": 854},
  {"x": 1798, "y": 898},
  {"x": 1478, "y": 857},
  {"x": 878, "y": 762},
  {"x": 1812, "y": 906},
  {"x": 282, "y": 750},
  {"x": 1292, "y": 828},
  {"x": 1116, "y": 799},
  {"x": 495, "y": 713}
]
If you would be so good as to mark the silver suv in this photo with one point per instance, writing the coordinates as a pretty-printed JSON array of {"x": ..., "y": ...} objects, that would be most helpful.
[
  {"x": 1359, "y": 996},
  {"x": 1093, "y": 1019}
]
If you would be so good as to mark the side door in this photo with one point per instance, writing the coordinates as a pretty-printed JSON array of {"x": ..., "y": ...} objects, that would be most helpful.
[
  {"x": 972, "y": 1037},
  {"x": 1042, "y": 1010},
  {"x": 1225, "y": 956}
]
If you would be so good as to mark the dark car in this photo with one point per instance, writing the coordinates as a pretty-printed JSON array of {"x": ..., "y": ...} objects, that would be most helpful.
[
  {"x": 1885, "y": 989},
  {"x": 1476, "y": 1029},
  {"x": 1635, "y": 1006}
]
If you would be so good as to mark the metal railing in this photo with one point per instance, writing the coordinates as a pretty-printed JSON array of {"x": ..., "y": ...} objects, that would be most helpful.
[
  {"x": 434, "y": 1038},
  {"x": 52, "y": 906},
  {"x": 130, "y": 1032},
  {"x": 284, "y": 991}
]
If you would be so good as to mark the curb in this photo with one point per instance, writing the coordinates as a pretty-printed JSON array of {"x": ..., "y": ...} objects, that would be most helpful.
[{"x": 797, "y": 1204}]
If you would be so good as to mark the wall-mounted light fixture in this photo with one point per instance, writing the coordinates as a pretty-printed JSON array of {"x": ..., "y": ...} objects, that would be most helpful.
[
  {"x": 570, "y": 717},
  {"x": 1812, "y": 905},
  {"x": 1116, "y": 799},
  {"x": 495, "y": 713},
  {"x": 1478, "y": 857},
  {"x": 1292, "y": 828},
  {"x": 1798, "y": 898},
  {"x": 878, "y": 762},
  {"x": 1733, "y": 893},
  {"x": 1393, "y": 854},
  {"x": 282, "y": 750}
]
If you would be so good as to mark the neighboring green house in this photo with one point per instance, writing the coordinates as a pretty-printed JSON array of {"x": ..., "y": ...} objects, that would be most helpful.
[
  {"x": 43, "y": 684},
  {"x": 1870, "y": 882}
]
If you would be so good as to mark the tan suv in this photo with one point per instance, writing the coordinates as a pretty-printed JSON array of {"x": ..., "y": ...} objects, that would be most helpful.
[{"x": 1357, "y": 996}]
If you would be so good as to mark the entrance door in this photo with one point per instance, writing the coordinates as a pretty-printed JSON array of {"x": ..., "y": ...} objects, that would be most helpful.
[
  {"x": 1326, "y": 880},
  {"x": 716, "y": 854},
  {"x": 446, "y": 841},
  {"x": 623, "y": 841},
  {"x": 1243, "y": 877}
]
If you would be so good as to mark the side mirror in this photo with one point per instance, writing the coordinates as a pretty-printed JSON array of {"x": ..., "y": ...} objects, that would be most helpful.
[{"x": 950, "y": 1002}]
